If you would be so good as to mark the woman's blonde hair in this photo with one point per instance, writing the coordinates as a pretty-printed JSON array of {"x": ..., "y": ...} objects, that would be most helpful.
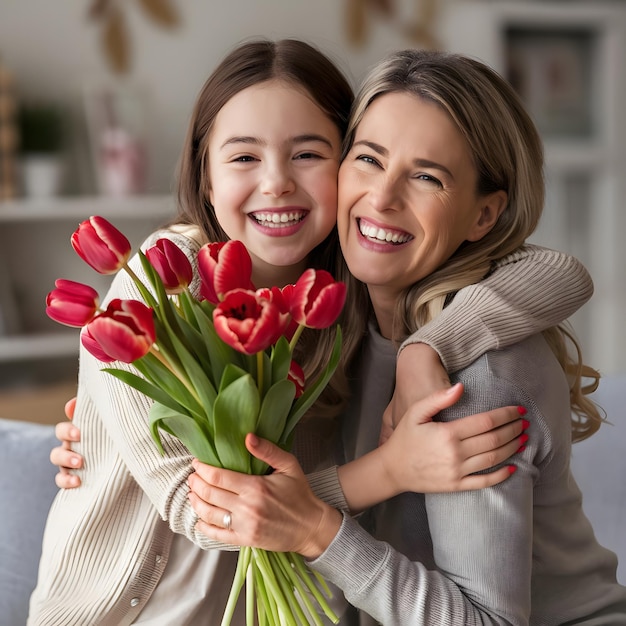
[{"x": 508, "y": 154}]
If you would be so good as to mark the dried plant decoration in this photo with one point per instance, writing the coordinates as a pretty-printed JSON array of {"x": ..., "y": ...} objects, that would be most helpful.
[
  {"x": 115, "y": 34},
  {"x": 161, "y": 12},
  {"x": 116, "y": 40},
  {"x": 419, "y": 30}
]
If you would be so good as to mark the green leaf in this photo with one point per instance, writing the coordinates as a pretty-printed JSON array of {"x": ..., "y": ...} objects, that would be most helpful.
[
  {"x": 169, "y": 381},
  {"x": 220, "y": 353},
  {"x": 203, "y": 386},
  {"x": 273, "y": 417},
  {"x": 231, "y": 374},
  {"x": 235, "y": 411},
  {"x": 275, "y": 410},
  {"x": 185, "y": 428},
  {"x": 187, "y": 308},
  {"x": 311, "y": 394},
  {"x": 147, "y": 388},
  {"x": 281, "y": 360}
]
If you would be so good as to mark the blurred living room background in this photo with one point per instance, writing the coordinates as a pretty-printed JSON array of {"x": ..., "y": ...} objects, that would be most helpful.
[{"x": 95, "y": 96}]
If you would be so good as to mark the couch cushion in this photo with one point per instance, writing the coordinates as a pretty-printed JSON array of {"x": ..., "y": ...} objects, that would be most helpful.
[{"x": 26, "y": 491}]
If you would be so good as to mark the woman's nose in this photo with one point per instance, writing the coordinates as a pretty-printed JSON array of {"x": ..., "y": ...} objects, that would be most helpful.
[
  {"x": 386, "y": 195},
  {"x": 277, "y": 181}
]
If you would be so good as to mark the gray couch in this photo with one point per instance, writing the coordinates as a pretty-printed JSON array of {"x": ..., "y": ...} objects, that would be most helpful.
[{"x": 27, "y": 489}]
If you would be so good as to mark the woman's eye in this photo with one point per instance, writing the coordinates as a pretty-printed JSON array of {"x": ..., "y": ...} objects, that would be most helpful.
[
  {"x": 428, "y": 179},
  {"x": 367, "y": 159}
]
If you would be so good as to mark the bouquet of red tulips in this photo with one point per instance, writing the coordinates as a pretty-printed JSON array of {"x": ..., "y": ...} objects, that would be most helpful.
[{"x": 217, "y": 366}]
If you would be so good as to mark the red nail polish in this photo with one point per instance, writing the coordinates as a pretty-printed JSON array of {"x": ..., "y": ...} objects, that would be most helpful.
[
  {"x": 512, "y": 469},
  {"x": 523, "y": 438},
  {"x": 525, "y": 424},
  {"x": 520, "y": 449},
  {"x": 521, "y": 410}
]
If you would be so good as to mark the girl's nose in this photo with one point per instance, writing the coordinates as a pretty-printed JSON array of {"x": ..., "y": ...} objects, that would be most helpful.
[{"x": 277, "y": 181}]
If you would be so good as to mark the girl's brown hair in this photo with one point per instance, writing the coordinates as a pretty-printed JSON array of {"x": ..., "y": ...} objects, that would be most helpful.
[{"x": 306, "y": 68}]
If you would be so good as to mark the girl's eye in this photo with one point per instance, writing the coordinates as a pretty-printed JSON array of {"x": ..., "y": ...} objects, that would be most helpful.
[
  {"x": 307, "y": 155},
  {"x": 246, "y": 158}
]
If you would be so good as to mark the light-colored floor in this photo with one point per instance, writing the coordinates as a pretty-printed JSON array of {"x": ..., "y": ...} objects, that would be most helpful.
[{"x": 42, "y": 404}]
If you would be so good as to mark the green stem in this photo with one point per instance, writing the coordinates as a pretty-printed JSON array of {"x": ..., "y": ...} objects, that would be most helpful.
[
  {"x": 305, "y": 575},
  {"x": 273, "y": 583},
  {"x": 243, "y": 561},
  {"x": 147, "y": 296},
  {"x": 182, "y": 376},
  {"x": 291, "y": 578},
  {"x": 259, "y": 372},
  {"x": 250, "y": 594},
  {"x": 296, "y": 336}
]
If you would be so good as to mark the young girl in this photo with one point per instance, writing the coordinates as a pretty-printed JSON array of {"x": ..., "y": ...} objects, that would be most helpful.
[
  {"x": 259, "y": 164},
  {"x": 442, "y": 155}
]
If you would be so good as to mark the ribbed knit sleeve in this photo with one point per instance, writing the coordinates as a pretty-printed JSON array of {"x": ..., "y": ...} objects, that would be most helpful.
[
  {"x": 529, "y": 291},
  {"x": 125, "y": 414},
  {"x": 326, "y": 486}
]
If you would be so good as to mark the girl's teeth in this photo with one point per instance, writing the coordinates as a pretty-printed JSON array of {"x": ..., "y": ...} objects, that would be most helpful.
[
  {"x": 278, "y": 219},
  {"x": 380, "y": 234}
]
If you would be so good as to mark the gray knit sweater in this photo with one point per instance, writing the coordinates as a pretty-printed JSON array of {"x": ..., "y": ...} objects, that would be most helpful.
[{"x": 519, "y": 553}]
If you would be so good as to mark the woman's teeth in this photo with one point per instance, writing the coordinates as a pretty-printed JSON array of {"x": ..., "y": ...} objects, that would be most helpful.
[
  {"x": 278, "y": 220},
  {"x": 380, "y": 234}
]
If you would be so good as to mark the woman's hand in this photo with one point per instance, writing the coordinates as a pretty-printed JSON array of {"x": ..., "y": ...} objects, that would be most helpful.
[
  {"x": 434, "y": 457},
  {"x": 276, "y": 512},
  {"x": 429, "y": 457},
  {"x": 63, "y": 456}
]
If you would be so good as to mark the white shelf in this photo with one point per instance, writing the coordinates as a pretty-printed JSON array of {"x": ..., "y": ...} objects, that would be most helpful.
[
  {"x": 26, "y": 244},
  {"x": 38, "y": 346},
  {"x": 80, "y": 207}
]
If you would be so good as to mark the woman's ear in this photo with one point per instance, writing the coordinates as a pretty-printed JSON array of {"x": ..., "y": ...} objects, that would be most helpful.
[{"x": 490, "y": 209}]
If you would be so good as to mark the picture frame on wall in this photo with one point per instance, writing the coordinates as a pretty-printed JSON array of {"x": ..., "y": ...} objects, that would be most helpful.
[{"x": 552, "y": 70}]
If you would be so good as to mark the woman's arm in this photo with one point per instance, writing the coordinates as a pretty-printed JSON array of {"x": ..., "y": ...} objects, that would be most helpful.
[
  {"x": 529, "y": 291},
  {"x": 436, "y": 457},
  {"x": 478, "y": 570}
]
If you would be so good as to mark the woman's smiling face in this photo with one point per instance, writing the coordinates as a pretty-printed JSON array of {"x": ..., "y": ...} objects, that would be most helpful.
[{"x": 407, "y": 194}]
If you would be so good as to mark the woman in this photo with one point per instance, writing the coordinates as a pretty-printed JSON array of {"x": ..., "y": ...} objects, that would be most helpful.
[{"x": 442, "y": 157}]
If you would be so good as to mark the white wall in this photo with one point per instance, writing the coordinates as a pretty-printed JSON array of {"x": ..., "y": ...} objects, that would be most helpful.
[{"x": 54, "y": 50}]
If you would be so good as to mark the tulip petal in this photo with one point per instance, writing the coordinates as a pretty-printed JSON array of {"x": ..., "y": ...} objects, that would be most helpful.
[{"x": 101, "y": 245}]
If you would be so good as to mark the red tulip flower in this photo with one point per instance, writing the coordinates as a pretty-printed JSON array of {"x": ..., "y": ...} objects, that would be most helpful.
[
  {"x": 224, "y": 267},
  {"x": 101, "y": 245},
  {"x": 316, "y": 299},
  {"x": 171, "y": 264},
  {"x": 247, "y": 322},
  {"x": 296, "y": 376},
  {"x": 72, "y": 303},
  {"x": 125, "y": 331},
  {"x": 92, "y": 346}
]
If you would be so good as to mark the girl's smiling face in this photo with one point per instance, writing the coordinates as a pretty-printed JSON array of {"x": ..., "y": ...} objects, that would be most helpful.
[
  {"x": 273, "y": 161},
  {"x": 407, "y": 196}
]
